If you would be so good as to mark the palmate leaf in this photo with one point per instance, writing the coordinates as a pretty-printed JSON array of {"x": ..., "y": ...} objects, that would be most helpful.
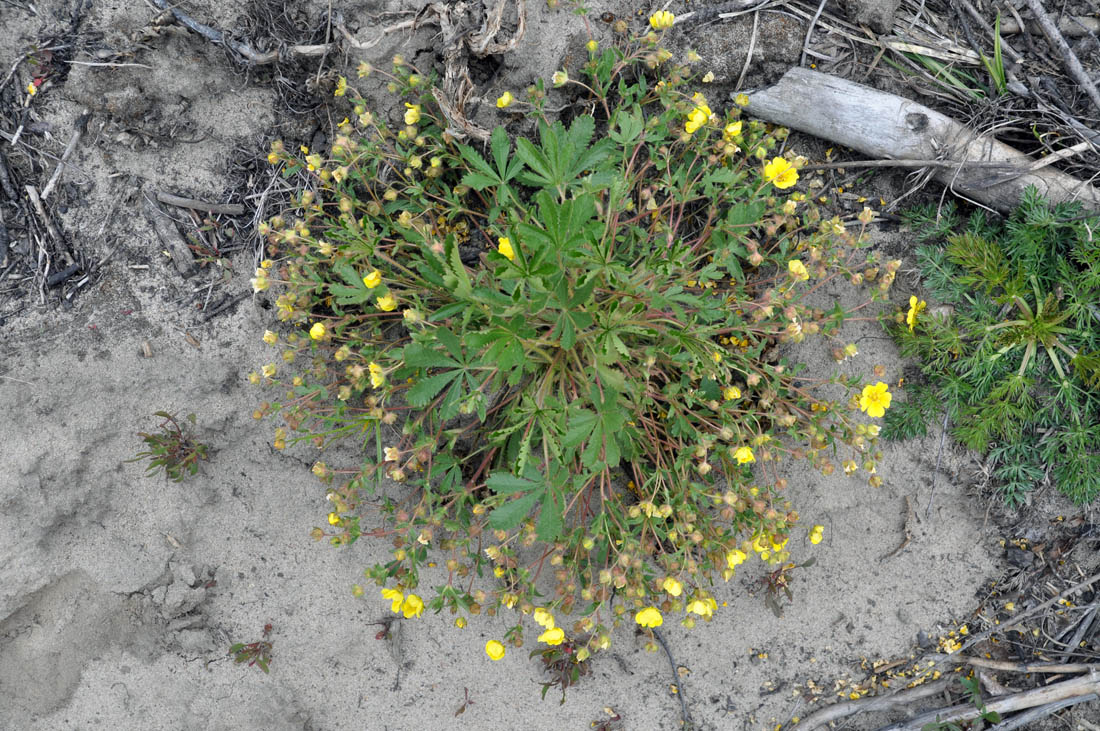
[{"x": 426, "y": 389}]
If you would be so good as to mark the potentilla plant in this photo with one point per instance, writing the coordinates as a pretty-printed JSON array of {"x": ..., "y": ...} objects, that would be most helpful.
[{"x": 565, "y": 349}]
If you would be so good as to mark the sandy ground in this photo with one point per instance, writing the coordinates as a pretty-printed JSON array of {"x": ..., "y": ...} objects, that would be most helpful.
[{"x": 120, "y": 593}]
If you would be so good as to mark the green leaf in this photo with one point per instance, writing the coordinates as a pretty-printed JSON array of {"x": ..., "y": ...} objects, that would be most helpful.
[
  {"x": 534, "y": 158},
  {"x": 416, "y": 355},
  {"x": 549, "y": 524},
  {"x": 500, "y": 146},
  {"x": 477, "y": 181},
  {"x": 581, "y": 423},
  {"x": 472, "y": 156},
  {"x": 512, "y": 513},
  {"x": 628, "y": 125},
  {"x": 424, "y": 390},
  {"x": 450, "y": 342},
  {"x": 504, "y": 483}
]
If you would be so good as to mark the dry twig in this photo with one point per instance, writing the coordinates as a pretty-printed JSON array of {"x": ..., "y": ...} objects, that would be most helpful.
[
  {"x": 844, "y": 709},
  {"x": 81, "y": 126},
  {"x": 1073, "y": 64},
  {"x": 228, "y": 209}
]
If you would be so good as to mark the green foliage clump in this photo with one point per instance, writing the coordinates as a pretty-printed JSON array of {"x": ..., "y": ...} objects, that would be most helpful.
[
  {"x": 1016, "y": 360},
  {"x": 568, "y": 348},
  {"x": 172, "y": 449}
]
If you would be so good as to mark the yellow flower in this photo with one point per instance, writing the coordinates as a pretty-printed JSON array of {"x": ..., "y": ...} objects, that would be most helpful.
[
  {"x": 703, "y": 607},
  {"x": 504, "y": 248},
  {"x": 780, "y": 173},
  {"x": 744, "y": 455},
  {"x": 672, "y": 586},
  {"x": 32, "y": 89},
  {"x": 363, "y": 70},
  {"x": 875, "y": 399},
  {"x": 850, "y": 466},
  {"x": 377, "y": 375},
  {"x": 560, "y": 78},
  {"x": 494, "y": 649},
  {"x": 741, "y": 100},
  {"x": 396, "y": 596},
  {"x": 386, "y": 303},
  {"x": 544, "y": 618},
  {"x": 698, "y": 116},
  {"x": 505, "y": 100},
  {"x": 270, "y": 338},
  {"x": 412, "y": 113},
  {"x": 333, "y": 519},
  {"x": 268, "y": 370},
  {"x": 716, "y": 357},
  {"x": 729, "y": 393},
  {"x": 373, "y": 279},
  {"x": 662, "y": 19},
  {"x": 317, "y": 332},
  {"x": 816, "y": 534},
  {"x": 731, "y": 131},
  {"x": 341, "y": 87},
  {"x": 798, "y": 270},
  {"x": 413, "y": 606},
  {"x": 552, "y": 636},
  {"x": 273, "y": 158},
  {"x": 649, "y": 617},
  {"x": 708, "y": 77},
  {"x": 735, "y": 558},
  {"x": 915, "y": 308},
  {"x": 592, "y": 46}
]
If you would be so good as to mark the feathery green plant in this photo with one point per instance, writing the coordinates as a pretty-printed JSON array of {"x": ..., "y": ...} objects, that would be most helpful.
[{"x": 1016, "y": 364}]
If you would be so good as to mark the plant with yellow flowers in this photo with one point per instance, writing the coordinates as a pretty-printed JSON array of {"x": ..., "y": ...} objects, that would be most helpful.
[{"x": 564, "y": 350}]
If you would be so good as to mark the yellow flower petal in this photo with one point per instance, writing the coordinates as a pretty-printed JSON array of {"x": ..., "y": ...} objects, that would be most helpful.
[
  {"x": 494, "y": 649},
  {"x": 649, "y": 617}
]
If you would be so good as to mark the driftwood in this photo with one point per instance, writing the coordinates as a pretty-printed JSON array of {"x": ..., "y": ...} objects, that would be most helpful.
[
  {"x": 887, "y": 126},
  {"x": 1082, "y": 688}
]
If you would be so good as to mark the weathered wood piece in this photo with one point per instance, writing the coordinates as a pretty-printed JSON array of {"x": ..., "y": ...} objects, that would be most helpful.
[
  {"x": 883, "y": 125},
  {"x": 169, "y": 236}
]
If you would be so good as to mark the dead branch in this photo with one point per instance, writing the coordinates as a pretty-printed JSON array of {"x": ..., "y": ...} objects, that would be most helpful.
[
  {"x": 1072, "y": 26},
  {"x": 887, "y": 126},
  {"x": 229, "y": 209},
  {"x": 1024, "y": 720},
  {"x": 81, "y": 126},
  {"x": 844, "y": 709},
  {"x": 174, "y": 243},
  {"x": 1078, "y": 688},
  {"x": 1015, "y": 667},
  {"x": 1057, "y": 42},
  {"x": 36, "y": 203}
]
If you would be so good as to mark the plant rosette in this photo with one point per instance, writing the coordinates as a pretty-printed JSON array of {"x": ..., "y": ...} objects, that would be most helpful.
[{"x": 566, "y": 349}]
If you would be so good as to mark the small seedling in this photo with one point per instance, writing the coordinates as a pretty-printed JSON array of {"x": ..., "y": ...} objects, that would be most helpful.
[
  {"x": 562, "y": 664},
  {"x": 254, "y": 653},
  {"x": 172, "y": 449},
  {"x": 466, "y": 703},
  {"x": 779, "y": 581}
]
